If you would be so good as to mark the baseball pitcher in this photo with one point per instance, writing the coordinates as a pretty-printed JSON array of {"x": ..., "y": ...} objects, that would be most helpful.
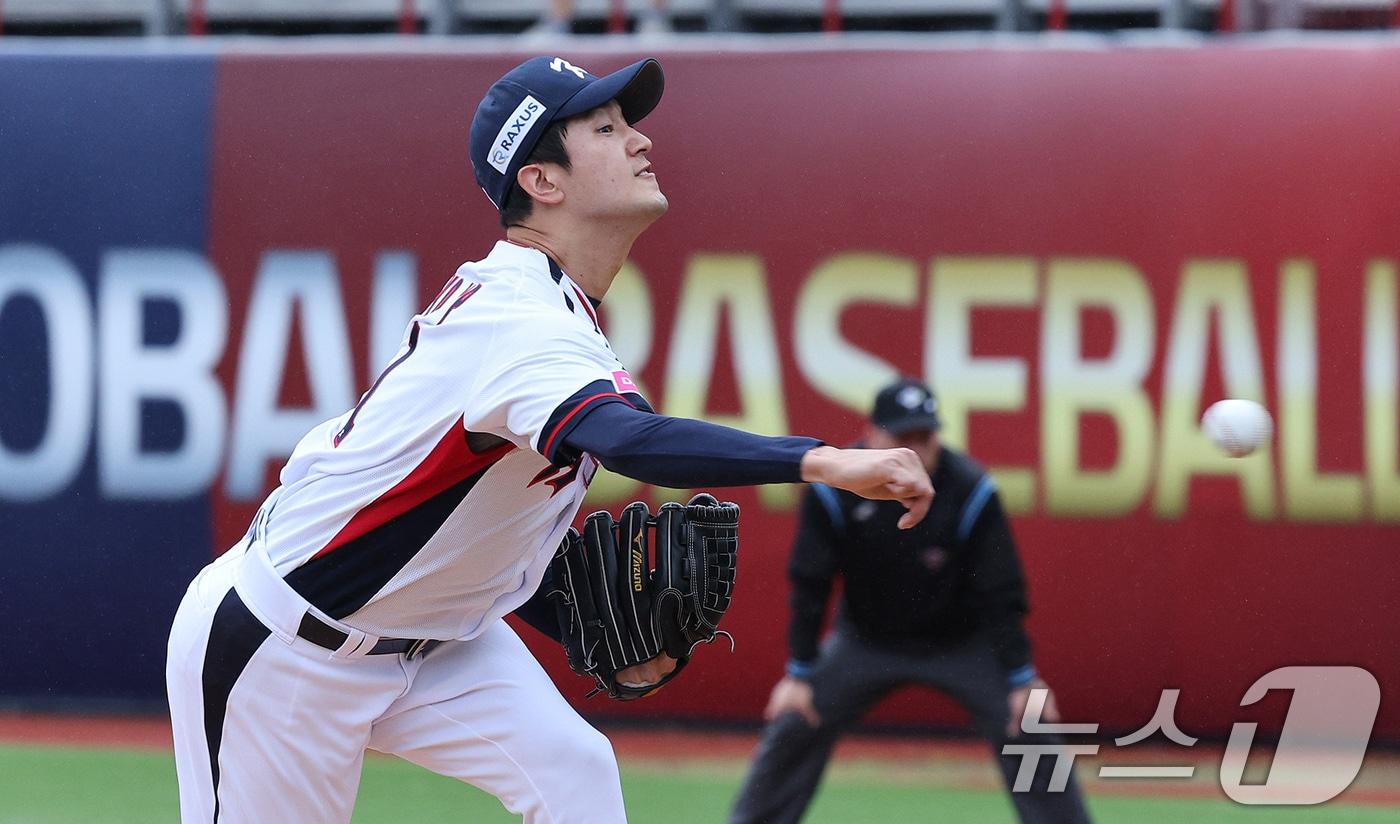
[{"x": 363, "y": 608}]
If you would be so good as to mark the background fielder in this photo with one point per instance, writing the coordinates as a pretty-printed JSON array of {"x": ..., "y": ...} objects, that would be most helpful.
[{"x": 940, "y": 605}]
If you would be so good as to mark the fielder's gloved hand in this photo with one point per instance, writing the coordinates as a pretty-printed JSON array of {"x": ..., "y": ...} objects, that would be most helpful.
[{"x": 615, "y": 611}]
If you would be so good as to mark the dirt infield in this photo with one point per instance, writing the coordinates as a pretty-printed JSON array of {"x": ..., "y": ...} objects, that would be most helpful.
[
  {"x": 662, "y": 743},
  {"x": 917, "y": 761},
  {"x": 141, "y": 732},
  {"x": 153, "y": 732}
]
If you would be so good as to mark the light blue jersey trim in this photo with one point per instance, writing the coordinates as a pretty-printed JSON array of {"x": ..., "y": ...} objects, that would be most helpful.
[
  {"x": 1021, "y": 677},
  {"x": 832, "y": 504},
  {"x": 801, "y": 670},
  {"x": 973, "y": 508}
]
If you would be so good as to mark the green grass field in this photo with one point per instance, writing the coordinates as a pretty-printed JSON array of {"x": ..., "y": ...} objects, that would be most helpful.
[{"x": 55, "y": 785}]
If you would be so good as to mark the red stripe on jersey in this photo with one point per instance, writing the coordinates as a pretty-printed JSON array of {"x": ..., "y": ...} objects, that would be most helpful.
[
  {"x": 549, "y": 444},
  {"x": 450, "y": 463},
  {"x": 587, "y": 307}
]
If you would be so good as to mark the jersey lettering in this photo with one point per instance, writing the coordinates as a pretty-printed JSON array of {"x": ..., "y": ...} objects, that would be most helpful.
[
  {"x": 350, "y": 422},
  {"x": 453, "y": 286},
  {"x": 445, "y": 299}
]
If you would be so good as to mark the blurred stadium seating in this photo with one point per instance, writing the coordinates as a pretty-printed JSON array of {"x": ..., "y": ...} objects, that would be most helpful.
[{"x": 156, "y": 17}]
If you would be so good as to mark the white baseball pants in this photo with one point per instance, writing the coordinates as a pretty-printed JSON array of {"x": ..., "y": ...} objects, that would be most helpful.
[{"x": 270, "y": 727}]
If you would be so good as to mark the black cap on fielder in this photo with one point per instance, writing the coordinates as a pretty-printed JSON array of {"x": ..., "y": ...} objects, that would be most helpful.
[
  {"x": 904, "y": 406},
  {"x": 540, "y": 91}
]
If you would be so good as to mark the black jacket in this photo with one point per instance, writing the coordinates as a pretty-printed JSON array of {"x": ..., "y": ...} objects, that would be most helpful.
[{"x": 952, "y": 574}]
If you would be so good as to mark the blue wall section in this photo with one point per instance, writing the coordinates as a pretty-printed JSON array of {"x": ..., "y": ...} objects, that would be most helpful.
[{"x": 95, "y": 153}]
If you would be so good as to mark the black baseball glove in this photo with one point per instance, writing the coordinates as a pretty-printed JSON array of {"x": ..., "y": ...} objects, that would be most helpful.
[{"x": 616, "y": 611}]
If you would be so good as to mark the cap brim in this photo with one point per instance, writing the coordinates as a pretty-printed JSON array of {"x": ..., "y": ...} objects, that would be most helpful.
[
  {"x": 637, "y": 89},
  {"x": 912, "y": 424}
]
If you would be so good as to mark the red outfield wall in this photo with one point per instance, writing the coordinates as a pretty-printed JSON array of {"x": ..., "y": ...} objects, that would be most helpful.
[{"x": 1080, "y": 249}]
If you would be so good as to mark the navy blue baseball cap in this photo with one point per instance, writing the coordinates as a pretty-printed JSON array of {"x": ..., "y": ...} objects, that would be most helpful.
[
  {"x": 904, "y": 406},
  {"x": 540, "y": 91}
]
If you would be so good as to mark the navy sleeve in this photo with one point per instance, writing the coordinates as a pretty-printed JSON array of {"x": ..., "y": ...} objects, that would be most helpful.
[
  {"x": 555, "y": 435},
  {"x": 679, "y": 452}
]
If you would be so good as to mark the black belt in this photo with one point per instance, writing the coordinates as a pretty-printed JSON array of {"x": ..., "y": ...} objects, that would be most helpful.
[{"x": 322, "y": 634}]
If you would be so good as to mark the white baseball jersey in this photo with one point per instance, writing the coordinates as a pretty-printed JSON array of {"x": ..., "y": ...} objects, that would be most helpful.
[{"x": 429, "y": 510}]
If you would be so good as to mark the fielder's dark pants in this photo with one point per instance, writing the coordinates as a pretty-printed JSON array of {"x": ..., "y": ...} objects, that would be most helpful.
[{"x": 848, "y": 679}]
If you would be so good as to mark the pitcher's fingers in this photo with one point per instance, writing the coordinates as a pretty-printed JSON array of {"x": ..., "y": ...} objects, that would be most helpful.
[
  {"x": 910, "y": 485},
  {"x": 918, "y": 508},
  {"x": 901, "y": 489}
]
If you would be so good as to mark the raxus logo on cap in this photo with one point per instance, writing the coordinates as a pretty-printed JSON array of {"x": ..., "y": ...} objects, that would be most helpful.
[
  {"x": 508, "y": 141},
  {"x": 542, "y": 90}
]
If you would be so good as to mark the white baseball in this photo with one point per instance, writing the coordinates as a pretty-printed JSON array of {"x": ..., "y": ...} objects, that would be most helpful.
[{"x": 1237, "y": 426}]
